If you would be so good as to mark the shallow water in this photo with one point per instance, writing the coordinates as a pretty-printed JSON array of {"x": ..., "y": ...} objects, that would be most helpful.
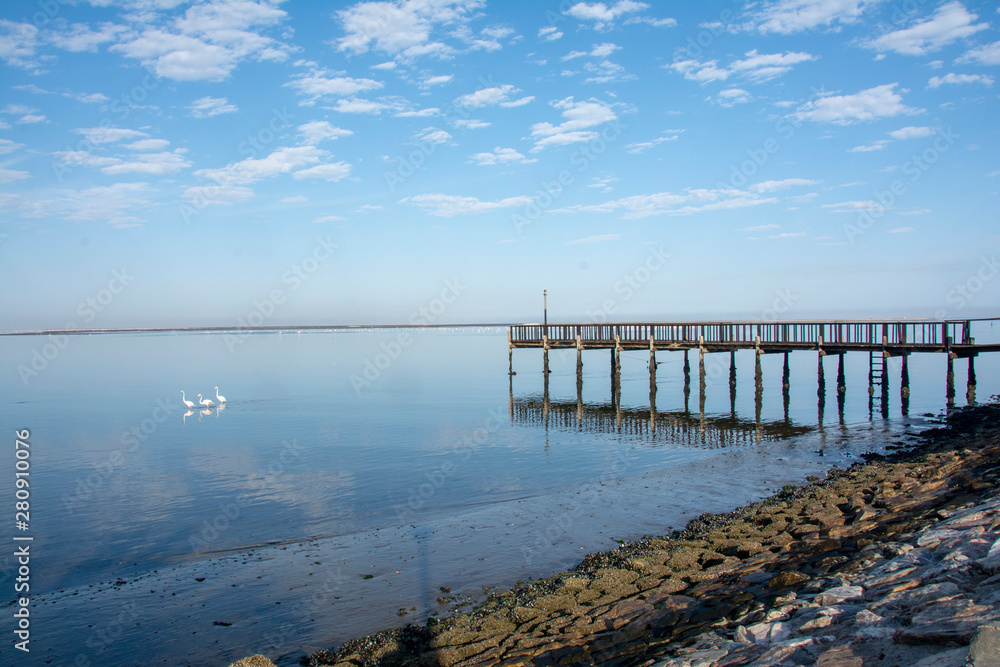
[{"x": 253, "y": 528}]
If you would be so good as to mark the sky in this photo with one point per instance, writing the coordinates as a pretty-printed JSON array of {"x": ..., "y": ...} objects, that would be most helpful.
[{"x": 225, "y": 162}]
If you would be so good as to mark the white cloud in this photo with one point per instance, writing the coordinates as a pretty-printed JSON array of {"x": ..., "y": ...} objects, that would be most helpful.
[
  {"x": 579, "y": 116},
  {"x": 988, "y": 54},
  {"x": 360, "y": 105},
  {"x": 856, "y": 206},
  {"x": 786, "y": 17},
  {"x": 108, "y": 135},
  {"x": 319, "y": 83},
  {"x": 601, "y": 14},
  {"x": 601, "y": 238},
  {"x": 469, "y": 123},
  {"x": 732, "y": 96},
  {"x": 150, "y": 163},
  {"x": 11, "y": 175},
  {"x": 251, "y": 170},
  {"x": 495, "y": 95},
  {"x": 433, "y": 135},
  {"x": 787, "y": 235},
  {"x": 332, "y": 172},
  {"x": 773, "y": 186},
  {"x": 30, "y": 118},
  {"x": 113, "y": 204},
  {"x": 148, "y": 145},
  {"x": 759, "y": 228},
  {"x": 328, "y": 218},
  {"x": 499, "y": 156},
  {"x": 754, "y": 66},
  {"x": 952, "y": 78},
  {"x": 869, "y": 148},
  {"x": 419, "y": 113},
  {"x": 950, "y": 22},
  {"x": 901, "y": 230},
  {"x": 206, "y": 107},
  {"x": 403, "y": 28},
  {"x": 80, "y": 37},
  {"x": 295, "y": 199},
  {"x": 316, "y": 131},
  {"x": 446, "y": 206},
  {"x": 439, "y": 80},
  {"x": 688, "y": 202},
  {"x": 549, "y": 33},
  {"x": 203, "y": 195},
  {"x": 642, "y": 146},
  {"x": 911, "y": 132},
  {"x": 8, "y": 146},
  {"x": 18, "y": 42},
  {"x": 208, "y": 41},
  {"x": 878, "y": 102}
]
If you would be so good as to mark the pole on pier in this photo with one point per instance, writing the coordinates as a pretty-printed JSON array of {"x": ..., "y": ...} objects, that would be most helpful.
[
  {"x": 950, "y": 382},
  {"x": 904, "y": 387},
  {"x": 545, "y": 311},
  {"x": 652, "y": 365},
  {"x": 841, "y": 380},
  {"x": 970, "y": 393},
  {"x": 732, "y": 382},
  {"x": 687, "y": 374}
]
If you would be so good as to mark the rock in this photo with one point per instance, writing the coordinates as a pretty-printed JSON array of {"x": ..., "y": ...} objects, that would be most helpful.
[
  {"x": 954, "y": 620},
  {"x": 787, "y": 578},
  {"x": 764, "y": 633},
  {"x": 956, "y": 657},
  {"x": 840, "y": 656},
  {"x": 933, "y": 538},
  {"x": 253, "y": 661},
  {"x": 984, "y": 651},
  {"x": 839, "y": 595}
]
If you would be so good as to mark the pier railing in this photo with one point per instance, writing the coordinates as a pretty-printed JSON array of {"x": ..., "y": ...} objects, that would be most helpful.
[{"x": 748, "y": 333}]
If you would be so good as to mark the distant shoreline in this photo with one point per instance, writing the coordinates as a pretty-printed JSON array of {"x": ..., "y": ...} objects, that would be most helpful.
[{"x": 245, "y": 329}]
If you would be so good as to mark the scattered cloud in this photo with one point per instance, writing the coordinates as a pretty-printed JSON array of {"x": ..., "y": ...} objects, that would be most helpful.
[
  {"x": 754, "y": 66},
  {"x": 433, "y": 135},
  {"x": 332, "y": 172},
  {"x": 499, "y": 156},
  {"x": 774, "y": 186},
  {"x": 148, "y": 145},
  {"x": 787, "y": 235},
  {"x": 403, "y": 29},
  {"x": 251, "y": 170},
  {"x": 901, "y": 230},
  {"x": 911, "y": 132},
  {"x": 786, "y": 17},
  {"x": 469, "y": 123},
  {"x": 11, "y": 175},
  {"x": 296, "y": 199},
  {"x": 322, "y": 83},
  {"x": 601, "y": 238},
  {"x": 579, "y": 117},
  {"x": 447, "y": 206},
  {"x": 876, "y": 146},
  {"x": 988, "y": 54},
  {"x": 600, "y": 15},
  {"x": 642, "y": 146},
  {"x": 730, "y": 97},
  {"x": 759, "y": 228},
  {"x": 18, "y": 42},
  {"x": 950, "y": 22},
  {"x": 329, "y": 218},
  {"x": 108, "y": 135},
  {"x": 549, "y": 34},
  {"x": 495, "y": 95},
  {"x": 878, "y": 102},
  {"x": 688, "y": 202},
  {"x": 316, "y": 131},
  {"x": 952, "y": 78},
  {"x": 8, "y": 146},
  {"x": 206, "y": 107},
  {"x": 438, "y": 80}
]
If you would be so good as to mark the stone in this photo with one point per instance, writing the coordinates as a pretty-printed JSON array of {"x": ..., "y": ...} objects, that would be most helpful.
[
  {"x": 933, "y": 538},
  {"x": 953, "y": 620},
  {"x": 253, "y": 661},
  {"x": 839, "y": 595},
  {"x": 955, "y": 657},
  {"x": 787, "y": 578},
  {"x": 840, "y": 656},
  {"x": 984, "y": 651},
  {"x": 764, "y": 633}
]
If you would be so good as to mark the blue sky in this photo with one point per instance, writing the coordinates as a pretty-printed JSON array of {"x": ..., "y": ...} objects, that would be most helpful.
[{"x": 205, "y": 163}]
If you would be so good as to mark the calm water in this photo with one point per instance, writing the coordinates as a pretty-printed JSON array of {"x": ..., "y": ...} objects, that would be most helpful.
[{"x": 315, "y": 507}]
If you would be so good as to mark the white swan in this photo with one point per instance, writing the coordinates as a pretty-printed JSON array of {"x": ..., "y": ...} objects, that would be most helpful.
[
  {"x": 207, "y": 402},
  {"x": 186, "y": 402},
  {"x": 220, "y": 399}
]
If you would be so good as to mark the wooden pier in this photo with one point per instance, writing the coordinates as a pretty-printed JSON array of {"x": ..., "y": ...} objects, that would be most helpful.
[{"x": 881, "y": 339}]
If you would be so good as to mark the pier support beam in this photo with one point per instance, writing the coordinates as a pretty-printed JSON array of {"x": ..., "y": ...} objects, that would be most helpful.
[
  {"x": 687, "y": 373},
  {"x": 904, "y": 387},
  {"x": 970, "y": 392},
  {"x": 950, "y": 382},
  {"x": 732, "y": 382}
]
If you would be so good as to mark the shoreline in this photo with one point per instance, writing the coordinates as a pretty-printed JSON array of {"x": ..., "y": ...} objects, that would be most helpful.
[{"x": 650, "y": 599}]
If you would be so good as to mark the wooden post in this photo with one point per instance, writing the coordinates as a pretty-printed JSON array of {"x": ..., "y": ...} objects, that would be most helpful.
[
  {"x": 841, "y": 380},
  {"x": 970, "y": 393},
  {"x": 687, "y": 373},
  {"x": 950, "y": 382},
  {"x": 904, "y": 387}
]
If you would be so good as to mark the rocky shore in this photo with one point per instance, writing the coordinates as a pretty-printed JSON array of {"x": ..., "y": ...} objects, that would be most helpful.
[{"x": 892, "y": 562}]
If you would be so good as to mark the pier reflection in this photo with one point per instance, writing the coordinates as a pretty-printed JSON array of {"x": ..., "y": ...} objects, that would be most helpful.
[{"x": 673, "y": 427}]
